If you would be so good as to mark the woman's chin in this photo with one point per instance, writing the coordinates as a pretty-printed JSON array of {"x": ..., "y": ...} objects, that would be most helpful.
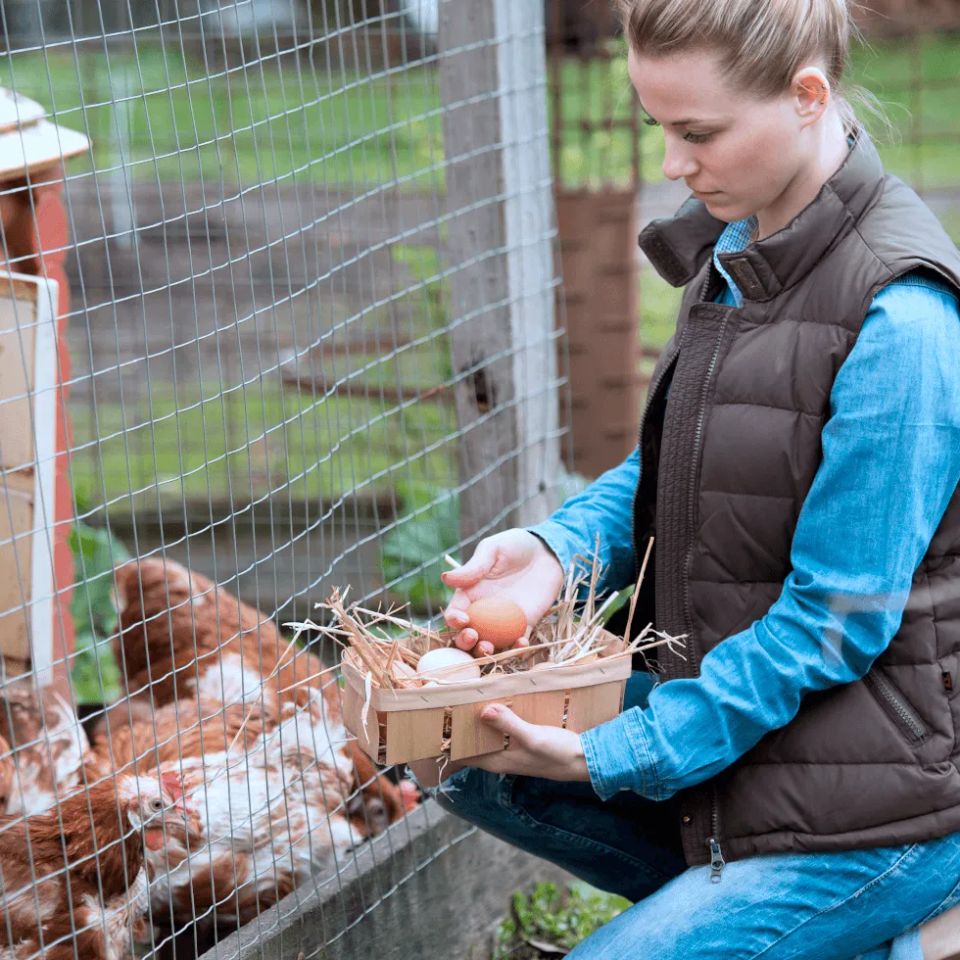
[{"x": 723, "y": 208}]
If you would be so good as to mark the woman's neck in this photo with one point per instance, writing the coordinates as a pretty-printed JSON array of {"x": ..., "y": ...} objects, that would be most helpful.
[{"x": 829, "y": 155}]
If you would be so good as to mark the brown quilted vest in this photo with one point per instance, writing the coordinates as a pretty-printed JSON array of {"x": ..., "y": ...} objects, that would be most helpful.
[{"x": 727, "y": 461}]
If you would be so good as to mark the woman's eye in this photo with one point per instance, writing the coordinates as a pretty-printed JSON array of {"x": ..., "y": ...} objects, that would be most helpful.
[{"x": 697, "y": 137}]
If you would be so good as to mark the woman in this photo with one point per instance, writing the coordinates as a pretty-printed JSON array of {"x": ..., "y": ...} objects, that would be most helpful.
[{"x": 798, "y": 464}]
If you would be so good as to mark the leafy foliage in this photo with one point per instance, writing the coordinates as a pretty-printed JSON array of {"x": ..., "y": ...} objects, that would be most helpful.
[
  {"x": 412, "y": 552},
  {"x": 549, "y": 922},
  {"x": 96, "y": 552}
]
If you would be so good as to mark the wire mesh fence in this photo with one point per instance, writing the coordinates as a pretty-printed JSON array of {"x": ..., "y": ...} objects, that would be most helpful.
[{"x": 277, "y": 315}]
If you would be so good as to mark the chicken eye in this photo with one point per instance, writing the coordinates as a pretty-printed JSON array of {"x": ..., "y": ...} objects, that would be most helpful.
[{"x": 156, "y": 804}]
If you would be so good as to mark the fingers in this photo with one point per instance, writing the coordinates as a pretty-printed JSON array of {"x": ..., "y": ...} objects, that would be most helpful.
[
  {"x": 467, "y": 639},
  {"x": 484, "y": 647},
  {"x": 502, "y": 718},
  {"x": 455, "y": 615},
  {"x": 474, "y": 570}
]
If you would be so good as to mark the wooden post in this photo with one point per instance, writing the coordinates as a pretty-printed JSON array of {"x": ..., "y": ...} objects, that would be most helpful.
[
  {"x": 500, "y": 248},
  {"x": 34, "y": 238}
]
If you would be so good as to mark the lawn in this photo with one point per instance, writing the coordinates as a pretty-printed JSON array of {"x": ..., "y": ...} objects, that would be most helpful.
[{"x": 268, "y": 435}]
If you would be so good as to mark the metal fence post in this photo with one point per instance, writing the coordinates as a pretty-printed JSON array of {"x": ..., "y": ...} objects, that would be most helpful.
[{"x": 500, "y": 249}]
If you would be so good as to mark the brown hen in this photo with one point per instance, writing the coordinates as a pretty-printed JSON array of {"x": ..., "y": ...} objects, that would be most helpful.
[
  {"x": 183, "y": 637},
  {"x": 73, "y": 882}
]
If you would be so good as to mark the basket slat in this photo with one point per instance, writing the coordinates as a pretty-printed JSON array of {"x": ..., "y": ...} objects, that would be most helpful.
[
  {"x": 414, "y": 735},
  {"x": 591, "y": 706},
  {"x": 469, "y": 735},
  {"x": 368, "y": 735},
  {"x": 546, "y": 708}
]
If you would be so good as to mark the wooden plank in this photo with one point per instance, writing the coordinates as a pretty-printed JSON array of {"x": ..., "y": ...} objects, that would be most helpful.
[
  {"x": 16, "y": 110},
  {"x": 16, "y": 525},
  {"x": 435, "y": 863},
  {"x": 28, "y": 378},
  {"x": 414, "y": 735},
  {"x": 37, "y": 147},
  {"x": 500, "y": 235},
  {"x": 18, "y": 326},
  {"x": 591, "y": 706},
  {"x": 469, "y": 736},
  {"x": 544, "y": 708},
  {"x": 367, "y": 734}
]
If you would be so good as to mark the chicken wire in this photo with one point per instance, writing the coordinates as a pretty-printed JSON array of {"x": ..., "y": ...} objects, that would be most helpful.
[{"x": 279, "y": 320}]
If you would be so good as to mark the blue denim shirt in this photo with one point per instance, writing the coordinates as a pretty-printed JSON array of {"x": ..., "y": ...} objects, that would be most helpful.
[{"x": 891, "y": 461}]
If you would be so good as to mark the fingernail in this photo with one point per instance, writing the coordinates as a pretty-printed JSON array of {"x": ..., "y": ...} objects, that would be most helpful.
[{"x": 490, "y": 713}]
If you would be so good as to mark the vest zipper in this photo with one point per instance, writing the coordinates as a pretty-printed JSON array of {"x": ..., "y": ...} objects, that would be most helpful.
[
  {"x": 717, "y": 863},
  {"x": 904, "y": 713},
  {"x": 654, "y": 387},
  {"x": 697, "y": 440}
]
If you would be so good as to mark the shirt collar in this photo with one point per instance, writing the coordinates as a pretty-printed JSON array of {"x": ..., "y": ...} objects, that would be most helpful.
[
  {"x": 736, "y": 236},
  {"x": 679, "y": 246}
]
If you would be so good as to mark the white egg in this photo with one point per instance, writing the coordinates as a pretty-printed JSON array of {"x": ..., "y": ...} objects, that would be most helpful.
[{"x": 455, "y": 665}]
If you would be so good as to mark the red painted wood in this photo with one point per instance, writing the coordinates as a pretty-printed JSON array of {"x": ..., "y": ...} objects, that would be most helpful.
[{"x": 35, "y": 237}]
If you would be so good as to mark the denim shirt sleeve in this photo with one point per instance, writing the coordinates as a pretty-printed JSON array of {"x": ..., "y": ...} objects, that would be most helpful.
[
  {"x": 891, "y": 461},
  {"x": 604, "y": 509}
]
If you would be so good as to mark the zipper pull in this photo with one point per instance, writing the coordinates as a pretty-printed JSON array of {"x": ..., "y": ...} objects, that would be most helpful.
[{"x": 717, "y": 863}]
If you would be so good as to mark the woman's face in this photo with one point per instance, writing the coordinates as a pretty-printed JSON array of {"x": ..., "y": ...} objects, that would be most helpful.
[{"x": 739, "y": 154}]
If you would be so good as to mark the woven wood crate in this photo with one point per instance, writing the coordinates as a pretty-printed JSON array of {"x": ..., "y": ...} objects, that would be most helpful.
[{"x": 418, "y": 723}]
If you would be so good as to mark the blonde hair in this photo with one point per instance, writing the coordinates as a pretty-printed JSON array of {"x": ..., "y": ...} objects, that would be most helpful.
[{"x": 762, "y": 43}]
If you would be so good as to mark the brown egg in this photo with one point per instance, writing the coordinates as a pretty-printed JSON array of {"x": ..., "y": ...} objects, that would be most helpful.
[{"x": 498, "y": 620}]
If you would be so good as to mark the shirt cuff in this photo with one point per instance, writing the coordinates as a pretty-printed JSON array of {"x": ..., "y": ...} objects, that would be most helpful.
[
  {"x": 618, "y": 758},
  {"x": 557, "y": 540}
]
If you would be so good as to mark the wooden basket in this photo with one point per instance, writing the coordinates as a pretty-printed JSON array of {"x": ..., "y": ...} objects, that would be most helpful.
[{"x": 417, "y": 723}]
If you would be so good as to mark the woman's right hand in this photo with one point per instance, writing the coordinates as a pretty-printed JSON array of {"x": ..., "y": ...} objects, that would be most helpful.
[{"x": 513, "y": 564}]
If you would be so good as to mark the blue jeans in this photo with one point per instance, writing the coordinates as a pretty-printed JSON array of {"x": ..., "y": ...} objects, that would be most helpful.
[{"x": 862, "y": 904}]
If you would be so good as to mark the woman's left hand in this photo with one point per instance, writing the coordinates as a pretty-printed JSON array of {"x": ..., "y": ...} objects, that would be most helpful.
[{"x": 535, "y": 750}]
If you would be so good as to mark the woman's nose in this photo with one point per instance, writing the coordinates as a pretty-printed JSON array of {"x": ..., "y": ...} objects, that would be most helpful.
[{"x": 677, "y": 162}]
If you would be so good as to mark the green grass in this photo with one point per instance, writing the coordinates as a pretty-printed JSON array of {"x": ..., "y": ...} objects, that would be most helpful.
[
  {"x": 265, "y": 438},
  {"x": 924, "y": 144},
  {"x": 159, "y": 116},
  {"x": 249, "y": 440}
]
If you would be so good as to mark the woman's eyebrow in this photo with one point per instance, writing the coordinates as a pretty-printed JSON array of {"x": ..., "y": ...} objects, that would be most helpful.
[{"x": 647, "y": 118}]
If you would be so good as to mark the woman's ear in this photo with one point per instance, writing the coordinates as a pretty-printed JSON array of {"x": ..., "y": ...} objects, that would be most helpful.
[{"x": 811, "y": 93}]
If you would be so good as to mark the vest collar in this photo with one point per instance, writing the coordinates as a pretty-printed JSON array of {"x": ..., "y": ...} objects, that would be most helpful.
[{"x": 678, "y": 247}]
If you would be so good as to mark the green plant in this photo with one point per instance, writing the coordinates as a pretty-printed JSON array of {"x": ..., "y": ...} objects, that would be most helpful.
[
  {"x": 549, "y": 922},
  {"x": 412, "y": 552},
  {"x": 94, "y": 673}
]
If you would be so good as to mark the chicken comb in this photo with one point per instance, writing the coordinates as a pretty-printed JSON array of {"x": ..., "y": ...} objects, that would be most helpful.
[{"x": 172, "y": 784}]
